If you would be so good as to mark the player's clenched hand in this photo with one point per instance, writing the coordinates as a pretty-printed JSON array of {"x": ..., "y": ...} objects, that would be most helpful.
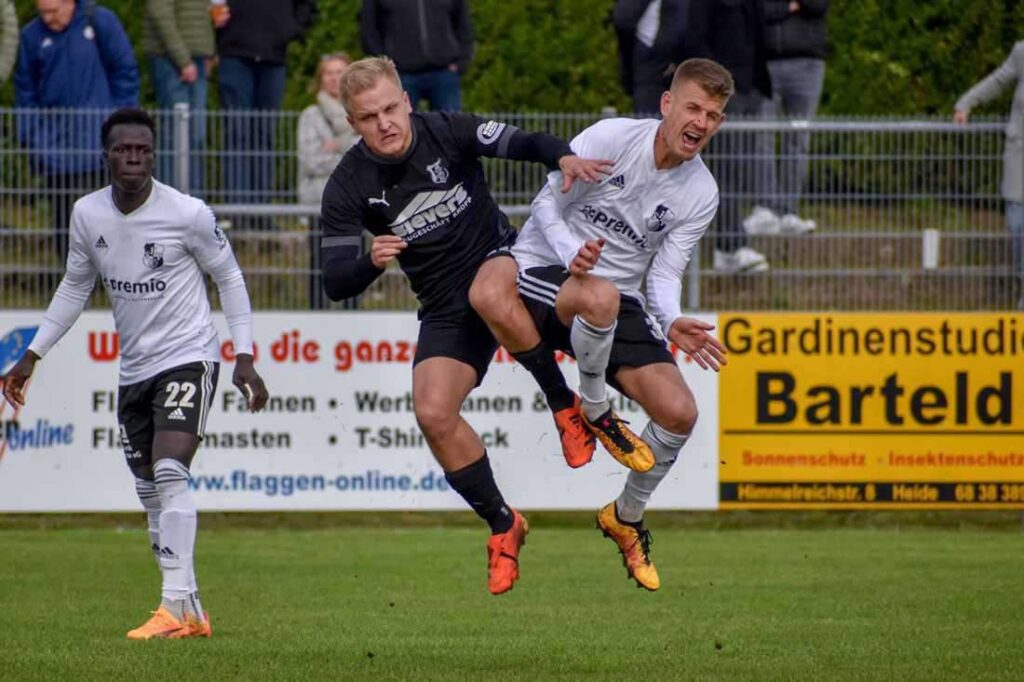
[
  {"x": 249, "y": 382},
  {"x": 588, "y": 170},
  {"x": 385, "y": 249},
  {"x": 587, "y": 257},
  {"x": 14, "y": 381},
  {"x": 693, "y": 338}
]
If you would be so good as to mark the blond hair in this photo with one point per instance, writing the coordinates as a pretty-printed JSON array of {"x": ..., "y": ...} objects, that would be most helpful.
[
  {"x": 314, "y": 87},
  {"x": 363, "y": 74},
  {"x": 711, "y": 76}
]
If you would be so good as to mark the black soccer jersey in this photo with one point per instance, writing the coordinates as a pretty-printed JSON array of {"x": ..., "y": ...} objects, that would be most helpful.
[{"x": 435, "y": 198}]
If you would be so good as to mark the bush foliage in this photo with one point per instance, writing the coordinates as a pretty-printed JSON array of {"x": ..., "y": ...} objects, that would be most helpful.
[{"x": 888, "y": 56}]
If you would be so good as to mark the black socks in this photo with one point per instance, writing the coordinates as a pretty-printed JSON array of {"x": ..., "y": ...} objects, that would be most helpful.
[{"x": 476, "y": 485}]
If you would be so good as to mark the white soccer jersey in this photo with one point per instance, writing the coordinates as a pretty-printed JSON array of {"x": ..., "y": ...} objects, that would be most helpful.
[
  {"x": 650, "y": 219},
  {"x": 151, "y": 262}
]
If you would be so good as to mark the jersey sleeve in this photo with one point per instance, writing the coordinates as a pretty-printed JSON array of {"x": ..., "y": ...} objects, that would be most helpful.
[
  {"x": 206, "y": 241},
  {"x": 341, "y": 215},
  {"x": 664, "y": 279}
]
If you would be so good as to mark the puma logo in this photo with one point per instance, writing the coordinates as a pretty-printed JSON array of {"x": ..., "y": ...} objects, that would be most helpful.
[{"x": 374, "y": 200}]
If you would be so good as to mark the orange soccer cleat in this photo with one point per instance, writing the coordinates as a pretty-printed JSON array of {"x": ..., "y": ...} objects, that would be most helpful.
[
  {"x": 578, "y": 443},
  {"x": 194, "y": 627},
  {"x": 634, "y": 542},
  {"x": 162, "y": 625},
  {"x": 626, "y": 447},
  {"x": 503, "y": 555}
]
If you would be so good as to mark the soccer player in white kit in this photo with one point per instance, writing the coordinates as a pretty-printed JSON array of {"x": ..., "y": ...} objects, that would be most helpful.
[
  {"x": 644, "y": 219},
  {"x": 151, "y": 244}
]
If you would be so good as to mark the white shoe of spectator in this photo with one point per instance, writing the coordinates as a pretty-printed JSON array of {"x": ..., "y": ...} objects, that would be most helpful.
[
  {"x": 762, "y": 220},
  {"x": 744, "y": 259},
  {"x": 791, "y": 223}
]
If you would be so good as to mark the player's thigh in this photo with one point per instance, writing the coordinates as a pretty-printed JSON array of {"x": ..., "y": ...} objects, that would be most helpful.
[
  {"x": 662, "y": 392},
  {"x": 439, "y": 387},
  {"x": 494, "y": 285},
  {"x": 182, "y": 398}
]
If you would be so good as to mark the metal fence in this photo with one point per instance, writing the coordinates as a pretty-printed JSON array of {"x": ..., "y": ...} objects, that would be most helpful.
[{"x": 909, "y": 212}]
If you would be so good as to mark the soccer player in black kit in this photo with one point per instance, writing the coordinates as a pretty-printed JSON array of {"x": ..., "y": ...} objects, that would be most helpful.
[{"x": 415, "y": 182}]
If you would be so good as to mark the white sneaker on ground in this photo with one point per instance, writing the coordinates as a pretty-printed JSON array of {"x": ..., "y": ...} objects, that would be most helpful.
[
  {"x": 791, "y": 223},
  {"x": 744, "y": 259},
  {"x": 762, "y": 220}
]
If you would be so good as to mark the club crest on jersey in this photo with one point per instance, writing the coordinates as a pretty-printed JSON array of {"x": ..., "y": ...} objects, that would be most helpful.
[
  {"x": 438, "y": 173},
  {"x": 153, "y": 255},
  {"x": 663, "y": 215},
  {"x": 488, "y": 132}
]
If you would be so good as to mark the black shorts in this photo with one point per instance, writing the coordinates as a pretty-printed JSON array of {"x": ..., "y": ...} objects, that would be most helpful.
[
  {"x": 177, "y": 399},
  {"x": 638, "y": 342},
  {"x": 454, "y": 330}
]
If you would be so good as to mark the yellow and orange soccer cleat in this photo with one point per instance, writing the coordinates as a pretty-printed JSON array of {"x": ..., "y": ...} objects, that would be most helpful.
[
  {"x": 194, "y": 627},
  {"x": 578, "y": 443},
  {"x": 503, "y": 555},
  {"x": 626, "y": 447},
  {"x": 162, "y": 625},
  {"x": 634, "y": 544}
]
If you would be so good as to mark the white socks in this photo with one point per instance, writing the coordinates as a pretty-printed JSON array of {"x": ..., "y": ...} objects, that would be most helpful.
[
  {"x": 146, "y": 491},
  {"x": 177, "y": 537},
  {"x": 592, "y": 346},
  {"x": 637, "y": 493}
]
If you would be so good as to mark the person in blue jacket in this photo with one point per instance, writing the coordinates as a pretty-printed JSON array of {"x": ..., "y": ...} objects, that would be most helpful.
[{"x": 74, "y": 55}]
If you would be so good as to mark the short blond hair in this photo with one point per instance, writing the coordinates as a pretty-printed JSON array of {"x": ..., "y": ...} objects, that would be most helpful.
[
  {"x": 363, "y": 74},
  {"x": 711, "y": 76}
]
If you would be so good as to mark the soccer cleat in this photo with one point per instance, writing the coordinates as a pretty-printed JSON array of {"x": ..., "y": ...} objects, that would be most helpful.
[
  {"x": 634, "y": 544},
  {"x": 162, "y": 625},
  {"x": 503, "y": 555},
  {"x": 578, "y": 443},
  {"x": 194, "y": 627},
  {"x": 626, "y": 447}
]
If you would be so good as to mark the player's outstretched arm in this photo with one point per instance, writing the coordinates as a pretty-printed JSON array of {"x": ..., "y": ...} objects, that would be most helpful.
[{"x": 14, "y": 381}]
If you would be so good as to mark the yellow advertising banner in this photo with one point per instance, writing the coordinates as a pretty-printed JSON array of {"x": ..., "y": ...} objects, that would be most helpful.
[{"x": 874, "y": 410}]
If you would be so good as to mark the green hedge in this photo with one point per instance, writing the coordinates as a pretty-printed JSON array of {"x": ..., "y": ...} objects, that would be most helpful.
[{"x": 888, "y": 56}]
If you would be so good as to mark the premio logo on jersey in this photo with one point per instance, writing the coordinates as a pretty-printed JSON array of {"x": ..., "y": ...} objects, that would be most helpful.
[
  {"x": 617, "y": 226},
  {"x": 663, "y": 215},
  {"x": 438, "y": 173},
  {"x": 428, "y": 211},
  {"x": 153, "y": 255}
]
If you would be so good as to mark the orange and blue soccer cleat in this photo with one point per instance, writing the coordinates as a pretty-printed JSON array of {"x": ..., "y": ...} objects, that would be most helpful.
[
  {"x": 626, "y": 447},
  {"x": 634, "y": 542},
  {"x": 162, "y": 625},
  {"x": 578, "y": 443},
  {"x": 194, "y": 627},
  {"x": 503, "y": 555}
]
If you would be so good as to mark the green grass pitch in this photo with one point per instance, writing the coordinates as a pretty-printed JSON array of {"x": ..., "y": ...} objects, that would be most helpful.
[{"x": 411, "y": 603}]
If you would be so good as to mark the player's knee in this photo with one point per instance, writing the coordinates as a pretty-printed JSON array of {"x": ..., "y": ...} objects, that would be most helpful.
[
  {"x": 490, "y": 298},
  {"x": 681, "y": 418},
  {"x": 434, "y": 420},
  {"x": 171, "y": 479},
  {"x": 601, "y": 302}
]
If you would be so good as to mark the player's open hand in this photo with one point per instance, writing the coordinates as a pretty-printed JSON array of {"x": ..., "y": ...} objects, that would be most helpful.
[
  {"x": 588, "y": 170},
  {"x": 249, "y": 382},
  {"x": 587, "y": 257},
  {"x": 385, "y": 249},
  {"x": 693, "y": 338},
  {"x": 14, "y": 381}
]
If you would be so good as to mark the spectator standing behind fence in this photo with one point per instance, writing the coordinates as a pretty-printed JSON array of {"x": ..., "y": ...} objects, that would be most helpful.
[
  {"x": 178, "y": 41},
  {"x": 251, "y": 47},
  {"x": 430, "y": 41},
  {"x": 8, "y": 38},
  {"x": 72, "y": 56},
  {"x": 650, "y": 34},
  {"x": 324, "y": 136},
  {"x": 796, "y": 42},
  {"x": 730, "y": 32},
  {"x": 1010, "y": 73}
]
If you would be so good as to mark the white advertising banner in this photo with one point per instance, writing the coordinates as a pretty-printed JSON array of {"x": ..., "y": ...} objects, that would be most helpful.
[{"x": 339, "y": 431}]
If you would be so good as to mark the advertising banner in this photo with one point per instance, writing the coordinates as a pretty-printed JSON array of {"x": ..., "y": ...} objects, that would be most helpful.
[
  {"x": 857, "y": 411},
  {"x": 339, "y": 431}
]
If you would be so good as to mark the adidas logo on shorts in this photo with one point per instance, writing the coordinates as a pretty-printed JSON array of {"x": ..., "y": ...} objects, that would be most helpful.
[{"x": 177, "y": 415}]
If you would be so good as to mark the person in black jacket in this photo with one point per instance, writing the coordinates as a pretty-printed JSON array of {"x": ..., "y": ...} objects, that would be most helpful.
[
  {"x": 431, "y": 42},
  {"x": 796, "y": 44},
  {"x": 650, "y": 34},
  {"x": 730, "y": 32},
  {"x": 251, "y": 49}
]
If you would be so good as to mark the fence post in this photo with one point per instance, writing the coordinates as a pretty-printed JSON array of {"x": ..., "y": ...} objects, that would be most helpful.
[
  {"x": 181, "y": 140},
  {"x": 693, "y": 283}
]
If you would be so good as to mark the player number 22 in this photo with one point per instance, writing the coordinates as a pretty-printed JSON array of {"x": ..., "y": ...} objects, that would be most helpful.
[{"x": 187, "y": 390}]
